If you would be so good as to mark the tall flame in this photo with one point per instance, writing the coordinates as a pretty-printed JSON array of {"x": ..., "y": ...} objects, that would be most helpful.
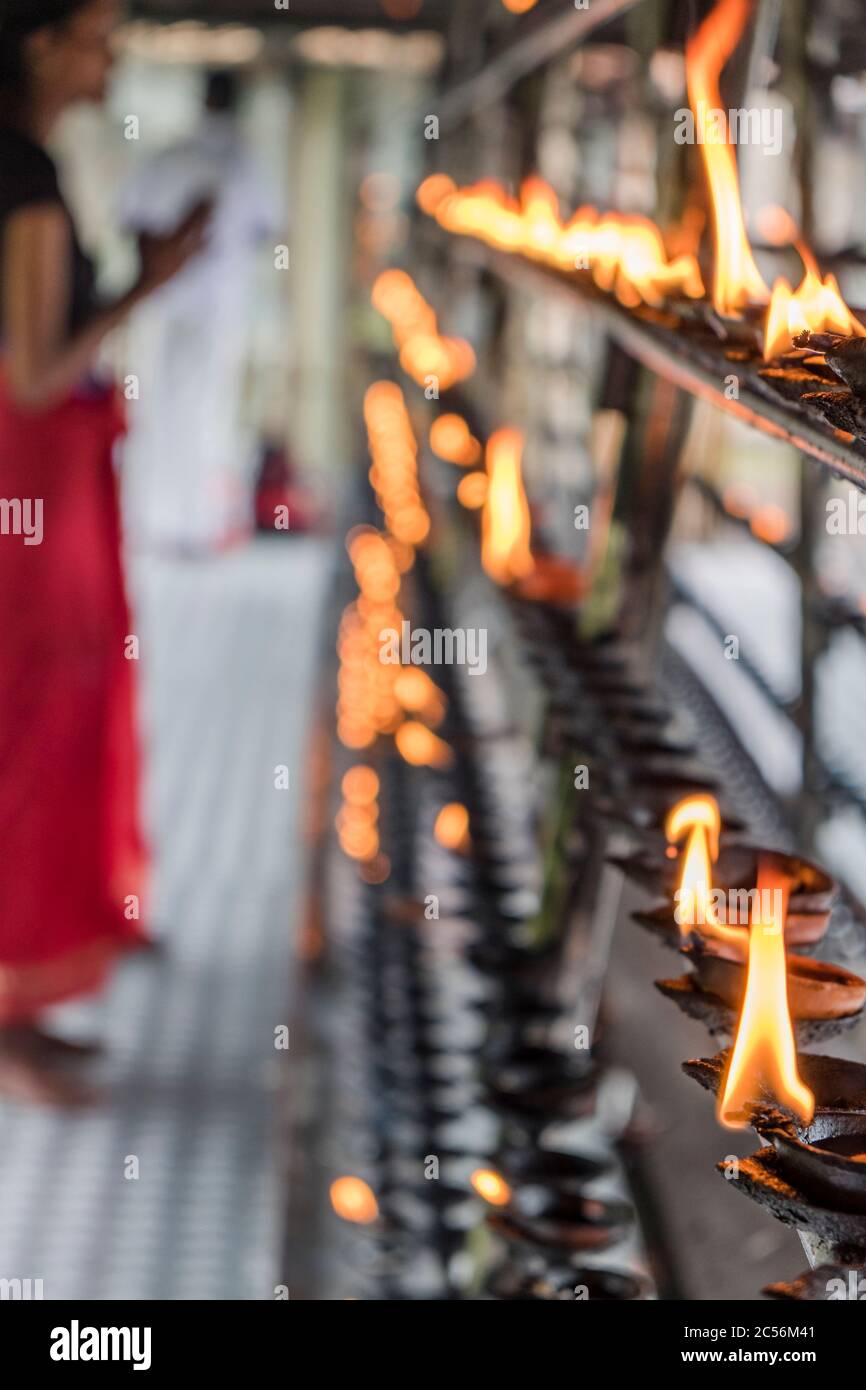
[
  {"x": 505, "y": 522},
  {"x": 700, "y": 817},
  {"x": 736, "y": 278},
  {"x": 764, "y": 1055}
]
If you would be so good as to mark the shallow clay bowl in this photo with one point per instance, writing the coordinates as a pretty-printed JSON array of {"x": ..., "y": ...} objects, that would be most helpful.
[
  {"x": 812, "y": 892},
  {"x": 588, "y": 1225},
  {"x": 806, "y": 929},
  {"x": 530, "y": 1164},
  {"x": 836, "y": 1082},
  {"x": 812, "y": 888},
  {"x": 560, "y": 1283},
  {"x": 811, "y": 897},
  {"x": 816, "y": 989},
  {"x": 825, "y": 1159},
  {"x": 553, "y": 580}
]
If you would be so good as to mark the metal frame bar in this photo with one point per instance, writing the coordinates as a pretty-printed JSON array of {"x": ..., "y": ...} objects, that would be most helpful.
[
  {"x": 664, "y": 352},
  {"x": 537, "y": 39}
]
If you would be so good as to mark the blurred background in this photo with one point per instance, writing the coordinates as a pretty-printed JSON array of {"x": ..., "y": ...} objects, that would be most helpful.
[
  {"x": 258, "y": 900},
  {"x": 228, "y": 610}
]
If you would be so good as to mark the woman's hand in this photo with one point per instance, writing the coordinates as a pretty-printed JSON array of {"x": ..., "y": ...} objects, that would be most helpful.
[
  {"x": 43, "y": 363},
  {"x": 163, "y": 256}
]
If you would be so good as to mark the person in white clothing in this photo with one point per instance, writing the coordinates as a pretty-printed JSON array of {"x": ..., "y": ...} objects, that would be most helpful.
[{"x": 189, "y": 462}]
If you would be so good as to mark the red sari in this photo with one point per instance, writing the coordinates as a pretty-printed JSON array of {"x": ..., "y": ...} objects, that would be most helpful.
[{"x": 71, "y": 852}]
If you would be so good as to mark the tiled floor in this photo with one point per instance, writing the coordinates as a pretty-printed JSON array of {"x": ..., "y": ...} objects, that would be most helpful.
[{"x": 228, "y": 653}]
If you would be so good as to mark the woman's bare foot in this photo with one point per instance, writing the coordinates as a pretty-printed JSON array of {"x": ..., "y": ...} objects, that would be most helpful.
[{"x": 28, "y": 1075}]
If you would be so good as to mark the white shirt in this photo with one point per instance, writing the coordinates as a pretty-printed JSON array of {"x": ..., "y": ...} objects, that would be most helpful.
[{"x": 214, "y": 163}]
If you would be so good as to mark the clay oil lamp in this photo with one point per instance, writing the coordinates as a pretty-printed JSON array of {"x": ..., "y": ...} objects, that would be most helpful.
[
  {"x": 811, "y": 895},
  {"x": 554, "y": 579},
  {"x": 544, "y": 1215},
  {"x": 731, "y": 870},
  {"x": 655, "y": 865},
  {"x": 818, "y": 1130},
  {"x": 825, "y": 1159},
  {"x": 813, "y": 1113},
  {"x": 540, "y": 1086},
  {"x": 827, "y": 1283},
  {"x": 822, "y": 998},
  {"x": 810, "y": 898},
  {"x": 506, "y": 532},
  {"x": 641, "y": 744},
  {"x": 533, "y": 1280},
  {"x": 760, "y": 1082},
  {"x": 527, "y": 1163},
  {"x": 818, "y": 991}
]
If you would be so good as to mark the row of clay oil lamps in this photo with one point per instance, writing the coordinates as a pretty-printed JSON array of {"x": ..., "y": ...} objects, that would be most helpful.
[
  {"x": 812, "y": 1175},
  {"x": 540, "y": 1201},
  {"x": 543, "y": 1207},
  {"x": 457, "y": 1066}
]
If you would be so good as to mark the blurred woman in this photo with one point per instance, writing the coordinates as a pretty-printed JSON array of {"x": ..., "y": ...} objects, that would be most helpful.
[{"x": 71, "y": 855}]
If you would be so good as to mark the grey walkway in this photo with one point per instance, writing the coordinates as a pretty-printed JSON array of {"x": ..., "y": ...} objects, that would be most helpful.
[{"x": 228, "y": 652}]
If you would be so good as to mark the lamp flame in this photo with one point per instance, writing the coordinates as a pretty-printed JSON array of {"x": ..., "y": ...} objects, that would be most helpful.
[
  {"x": 764, "y": 1055},
  {"x": 736, "y": 278},
  {"x": 452, "y": 826},
  {"x": 491, "y": 1186},
  {"x": 353, "y": 1200},
  {"x": 700, "y": 817},
  {"x": 626, "y": 254},
  {"x": 451, "y": 439},
  {"x": 505, "y": 522},
  {"x": 420, "y": 747},
  {"x": 816, "y": 306}
]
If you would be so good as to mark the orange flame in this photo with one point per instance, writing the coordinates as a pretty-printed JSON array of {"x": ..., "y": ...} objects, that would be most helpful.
[
  {"x": 491, "y": 1186},
  {"x": 360, "y": 786},
  {"x": 452, "y": 826},
  {"x": 375, "y": 694},
  {"x": 431, "y": 192},
  {"x": 699, "y": 815},
  {"x": 627, "y": 255},
  {"x": 424, "y": 351},
  {"x": 353, "y": 1200},
  {"x": 764, "y": 1054},
  {"x": 472, "y": 490},
  {"x": 816, "y": 306},
  {"x": 367, "y": 705},
  {"x": 505, "y": 522},
  {"x": 420, "y": 747},
  {"x": 358, "y": 817},
  {"x": 394, "y": 470},
  {"x": 541, "y": 223},
  {"x": 736, "y": 278},
  {"x": 451, "y": 439},
  {"x": 417, "y": 693}
]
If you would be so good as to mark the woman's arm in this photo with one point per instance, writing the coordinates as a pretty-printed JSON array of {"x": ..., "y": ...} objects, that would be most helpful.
[{"x": 43, "y": 363}]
